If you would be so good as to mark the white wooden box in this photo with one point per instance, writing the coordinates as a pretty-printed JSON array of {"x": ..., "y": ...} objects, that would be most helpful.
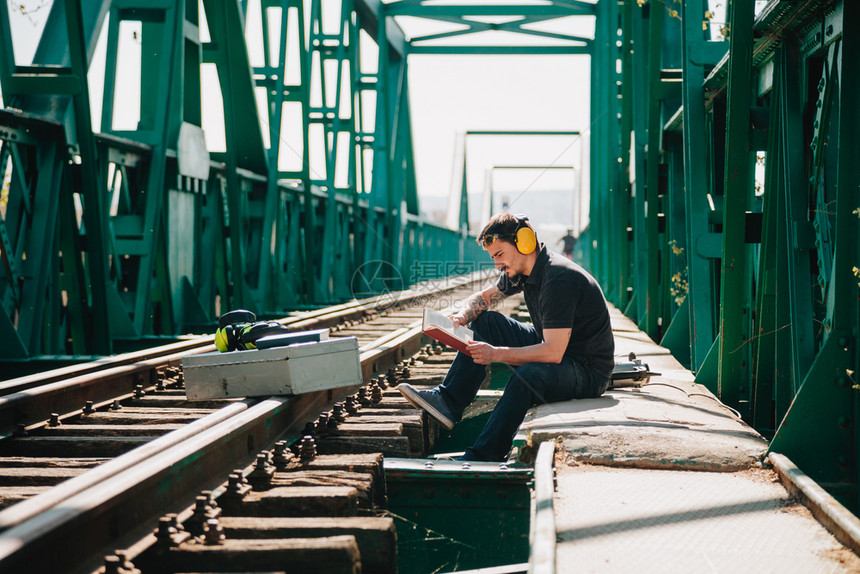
[{"x": 292, "y": 370}]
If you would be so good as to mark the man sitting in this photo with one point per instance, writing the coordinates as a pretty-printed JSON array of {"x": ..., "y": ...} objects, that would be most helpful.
[{"x": 568, "y": 354}]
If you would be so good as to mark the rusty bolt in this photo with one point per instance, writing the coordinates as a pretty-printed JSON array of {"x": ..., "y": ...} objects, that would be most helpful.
[
  {"x": 167, "y": 531},
  {"x": 126, "y": 566},
  {"x": 351, "y": 406},
  {"x": 213, "y": 532},
  {"x": 283, "y": 455},
  {"x": 88, "y": 408},
  {"x": 201, "y": 504},
  {"x": 331, "y": 424},
  {"x": 261, "y": 476},
  {"x": 307, "y": 449},
  {"x": 405, "y": 373},
  {"x": 202, "y": 512},
  {"x": 139, "y": 392},
  {"x": 322, "y": 423},
  {"x": 115, "y": 406},
  {"x": 338, "y": 413},
  {"x": 363, "y": 399},
  {"x": 235, "y": 481},
  {"x": 54, "y": 421},
  {"x": 375, "y": 393},
  {"x": 208, "y": 495}
]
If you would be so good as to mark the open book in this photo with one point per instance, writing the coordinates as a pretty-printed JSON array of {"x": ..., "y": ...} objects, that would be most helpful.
[{"x": 442, "y": 329}]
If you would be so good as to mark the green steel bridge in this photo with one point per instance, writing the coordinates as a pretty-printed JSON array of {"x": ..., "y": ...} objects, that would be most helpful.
[{"x": 724, "y": 189}]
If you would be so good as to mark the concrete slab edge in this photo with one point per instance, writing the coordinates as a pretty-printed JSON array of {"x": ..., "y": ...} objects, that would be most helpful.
[
  {"x": 581, "y": 455},
  {"x": 826, "y": 509},
  {"x": 543, "y": 534}
]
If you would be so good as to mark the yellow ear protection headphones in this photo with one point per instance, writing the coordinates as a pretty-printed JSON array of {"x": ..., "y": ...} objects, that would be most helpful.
[
  {"x": 523, "y": 237},
  {"x": 239, "y": 330}
]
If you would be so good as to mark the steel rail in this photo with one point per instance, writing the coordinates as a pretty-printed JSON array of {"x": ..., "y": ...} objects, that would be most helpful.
[
  {"x": 70, "y": 527},
  {"x": 318, "y": 318},
  {"x": 68, "y": 396},
  {"x": 27, "y": 509}
]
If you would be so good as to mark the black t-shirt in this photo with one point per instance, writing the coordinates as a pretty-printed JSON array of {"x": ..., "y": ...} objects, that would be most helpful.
[{"x": 560, "y": 294}]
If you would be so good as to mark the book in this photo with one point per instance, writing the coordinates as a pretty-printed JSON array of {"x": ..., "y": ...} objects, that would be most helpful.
[{"x": 442, "y": 329}]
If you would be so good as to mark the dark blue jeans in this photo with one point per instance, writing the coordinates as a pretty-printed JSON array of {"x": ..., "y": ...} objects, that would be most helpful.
[{"x": 530, "y": 384}]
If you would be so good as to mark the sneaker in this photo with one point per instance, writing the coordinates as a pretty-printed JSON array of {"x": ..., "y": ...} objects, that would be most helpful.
[{"x": 431, "y": 401}]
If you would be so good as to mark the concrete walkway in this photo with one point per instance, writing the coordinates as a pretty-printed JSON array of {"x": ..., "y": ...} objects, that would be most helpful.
[
  {"x": 669, "y": 423},
  {"x": 639, "y": 491}
]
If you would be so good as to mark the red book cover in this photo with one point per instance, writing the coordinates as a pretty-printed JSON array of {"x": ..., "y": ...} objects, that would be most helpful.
[{"x": 442, "y": 329}]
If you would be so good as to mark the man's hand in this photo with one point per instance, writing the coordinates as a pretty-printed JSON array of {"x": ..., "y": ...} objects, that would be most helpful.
[
  {"x": 459, "y": 319},
  {"x": 482, "y": 353}
]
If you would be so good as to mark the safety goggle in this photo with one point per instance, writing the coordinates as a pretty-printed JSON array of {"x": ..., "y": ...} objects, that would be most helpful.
[{"x": 490, "y": 239}]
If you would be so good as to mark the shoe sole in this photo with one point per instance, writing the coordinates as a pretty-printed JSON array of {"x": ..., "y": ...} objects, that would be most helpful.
[{"x": 416, "y": 401}]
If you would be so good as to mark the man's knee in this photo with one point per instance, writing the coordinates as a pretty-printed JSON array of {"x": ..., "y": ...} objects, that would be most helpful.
[{"x": 484, "y": 323}]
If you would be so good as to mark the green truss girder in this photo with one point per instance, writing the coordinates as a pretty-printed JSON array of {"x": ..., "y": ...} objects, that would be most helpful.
[
  {"x": 133, "y": 246},
  {"x": 469, "y": 18},
  {"x": 769, "y": 316}
]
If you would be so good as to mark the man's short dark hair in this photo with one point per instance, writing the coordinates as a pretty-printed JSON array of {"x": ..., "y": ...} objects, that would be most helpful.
[{"x": 504, "y": 225}]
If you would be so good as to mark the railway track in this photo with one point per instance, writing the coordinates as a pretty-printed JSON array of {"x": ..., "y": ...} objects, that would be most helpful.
[{"x": 86, "y": 474}]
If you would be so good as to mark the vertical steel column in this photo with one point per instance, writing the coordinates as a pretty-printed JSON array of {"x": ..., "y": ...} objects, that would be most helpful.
[
  {"x": 623, "y": 239},
  {"x": 245, "y": 147},
  {"x": 609, "y": 183},
  {"x": 766, "y": 325},
  {"x": 273, "y": 289},
  {"x": 734, "y": 310},
  {"x": 696, "y": 178},
  {"x": 95, "y": 213},
  {"x": 651, "y": 298},
  {"x": 638, "y": 175},
  {"x": 295, "y": 269},
  {"x": 798, "y": 233},
  {"x": 337, "y": 119},
  {"x": 382, "y": 191}
]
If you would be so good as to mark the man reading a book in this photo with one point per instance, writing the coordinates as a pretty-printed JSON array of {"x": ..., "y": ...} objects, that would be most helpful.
[{"x": 568, "y": 353}]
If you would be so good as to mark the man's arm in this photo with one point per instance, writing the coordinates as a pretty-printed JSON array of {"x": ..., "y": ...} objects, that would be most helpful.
[
  {"x": 476, "y": 304},
  {"x": 550, "y": 350}
]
